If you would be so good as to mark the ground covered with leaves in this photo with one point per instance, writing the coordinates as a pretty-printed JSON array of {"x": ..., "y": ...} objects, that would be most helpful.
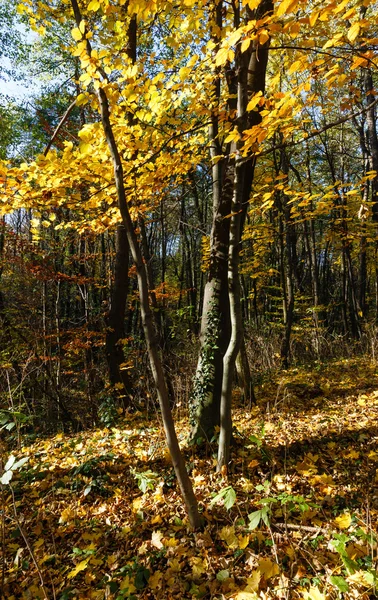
[{"x": 98, "y": 514}]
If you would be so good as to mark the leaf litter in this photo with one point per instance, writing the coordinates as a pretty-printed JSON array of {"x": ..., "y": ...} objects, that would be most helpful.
[{"x": 98, "y": 515}]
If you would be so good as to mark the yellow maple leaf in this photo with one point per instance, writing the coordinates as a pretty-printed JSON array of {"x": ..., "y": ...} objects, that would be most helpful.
[
  {"x": 343, "y": 521},
  {"x": 227, "y": 534},
  {"x": 127, "y": 585},
  {"x": 81, "y": 566},
  {"x": 199, "y": 566},
  {"x": 314, "y": 594},
  {"x": 67, "y": 515},
  {"x": 268, "y": 568},
  {"x": 155, "y": 580},
  {"x": 253, "y": 581},
  {"x": 243, "y": 541}
]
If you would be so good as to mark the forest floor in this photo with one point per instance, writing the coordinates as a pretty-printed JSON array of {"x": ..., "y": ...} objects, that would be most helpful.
[{"x": 77, "y": 526}]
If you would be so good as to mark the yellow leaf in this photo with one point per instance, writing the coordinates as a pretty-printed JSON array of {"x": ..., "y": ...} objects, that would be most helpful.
[
  {"x": 360, "y": 578},
  {"x": 155, "y": 580},
  {"x": 353, "y": 32},
  {"x": 227, "y": 534},
  {"x": 94, "y": 5},
  {"x": 67, "y": 515},
  {"x": 268, "y": 568},
  {"x": 81, "y": 566},
  {"x": 127, "y": 585},
  {"x": 171, "y": 543},
  {"x": 296, "y": 66},
  {"x": 246, "y": 596},
  {"x": 313, "y": 18},
  {"x": 222, "y": 57},
  {"x": 137, "y": 503},
  {"x": 314, "y": 594},
  {"x": 254, "y": 101},
  {"x": 343, "y": 521},
  {"x": 199, "y": 566},
  {"x": 340, "y": 7},
  {"x": 76, "y": 34},
  {"x": 243, "y": 541},
  {"x": 82, "y": 26},
  {"x": 245, "y": 44},
  {"x": 286, "y": 6},
  {"x": 232, "y": 137},
  {"x": 253, "y": 581},
  {"x": 81, "y": 99},
  {"x": 352, "y": 454},
  {"x": 263, "y": 37},
  {"x": 85, "y": 148}
]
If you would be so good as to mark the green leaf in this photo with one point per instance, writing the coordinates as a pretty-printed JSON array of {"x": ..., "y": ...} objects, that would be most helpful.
[
  {"x": 339, "y": 582},
  {"x": 265, "y": 515},
  {"x": 350, "y": 565},
  {"x": 254, "y": 519},
  {"x": 227, "y": 495},
  {"x": 223, "y": 575},
  {"x": 229, "y": 498},
  {"x": 146, "y": 481},
  {"x": 255, "y": 440}
]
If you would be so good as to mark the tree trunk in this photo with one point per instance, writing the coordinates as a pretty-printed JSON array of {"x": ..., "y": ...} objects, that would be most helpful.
[
  {"x": 147, "y": 321},
  {"x": 231, "y": 183}
]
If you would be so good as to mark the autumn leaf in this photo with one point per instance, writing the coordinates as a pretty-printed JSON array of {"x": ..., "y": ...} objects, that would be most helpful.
[
  {"x": 314, "y": 594},
  {"x": 156, "y": 539},
  {"x": 228, "y": 535},
  {"x": 268, "y": 568},
  {"x": 155, "y": 580},
  {"x": 343, "y": 521},
  {"x": 353, "y": 32},
  {"x": 81, "y": 566}
]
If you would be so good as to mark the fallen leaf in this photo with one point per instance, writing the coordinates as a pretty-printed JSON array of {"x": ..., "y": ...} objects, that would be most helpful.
[
  {"x": 227, "y": 534},
  {"x": 81, "y": 566},
  {"x": 314, "y": 594},
  {"x": 343, "y": 521},
  {"x": 156, "y": 539}
]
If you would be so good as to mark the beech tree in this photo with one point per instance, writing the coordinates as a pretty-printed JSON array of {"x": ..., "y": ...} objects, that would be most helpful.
[{"x": 263, "y": 101}]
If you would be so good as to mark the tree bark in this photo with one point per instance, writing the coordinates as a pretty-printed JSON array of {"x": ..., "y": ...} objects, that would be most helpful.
[{"x": 231, "y": 184}]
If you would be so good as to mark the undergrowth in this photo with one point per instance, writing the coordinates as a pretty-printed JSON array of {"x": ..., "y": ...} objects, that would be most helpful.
[{"x": 98, "y": 515}]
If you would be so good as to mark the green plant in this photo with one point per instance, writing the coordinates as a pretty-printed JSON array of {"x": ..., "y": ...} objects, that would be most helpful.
[
  {"x": 10, "y": 467},
  {"x": 9, "y": 419},
  {"x": 146, "y": 481},
  {"x": 292, "y": 502},
  {"x": 227, "y": 495},
  {"x": 107, "y": 412}
]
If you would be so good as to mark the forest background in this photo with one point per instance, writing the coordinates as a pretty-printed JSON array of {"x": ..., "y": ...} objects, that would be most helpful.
[{"x": 189, "y": 214}]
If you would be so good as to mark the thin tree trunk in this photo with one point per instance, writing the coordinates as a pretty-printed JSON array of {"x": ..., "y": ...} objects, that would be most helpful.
[{"x": 147, "y": 321}]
